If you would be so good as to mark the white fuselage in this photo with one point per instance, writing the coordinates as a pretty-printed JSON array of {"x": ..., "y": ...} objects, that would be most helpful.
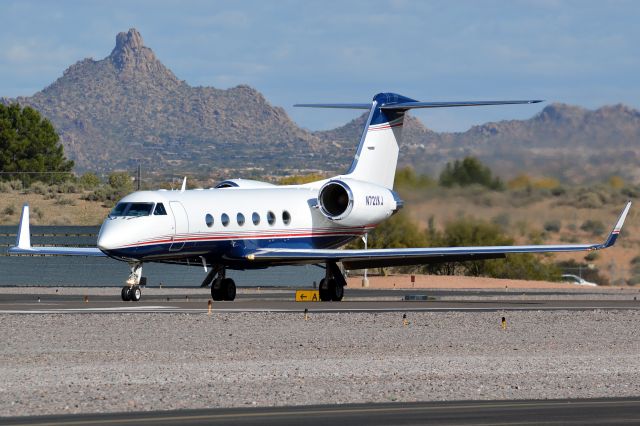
[{"x": 219, "y": 225}]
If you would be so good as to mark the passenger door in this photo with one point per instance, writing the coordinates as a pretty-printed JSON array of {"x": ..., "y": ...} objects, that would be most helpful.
[{"x": 181, "y": 221}]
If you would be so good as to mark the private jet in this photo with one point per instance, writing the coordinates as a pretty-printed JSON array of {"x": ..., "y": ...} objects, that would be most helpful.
[{"x": 246, "y": 224}]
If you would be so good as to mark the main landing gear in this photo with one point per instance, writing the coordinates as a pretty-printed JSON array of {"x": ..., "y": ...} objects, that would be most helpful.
[
  {"x": 332, "y": 285},
  {"x": 131, "y": 291},
  {"x": 222, "y": 288}
]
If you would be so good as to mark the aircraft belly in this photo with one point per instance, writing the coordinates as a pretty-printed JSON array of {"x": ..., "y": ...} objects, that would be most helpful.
[{"x": 225, "y": 251}]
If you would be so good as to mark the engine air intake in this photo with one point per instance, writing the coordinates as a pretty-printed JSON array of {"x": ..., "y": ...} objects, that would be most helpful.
[{"x": 335, "y": 200}]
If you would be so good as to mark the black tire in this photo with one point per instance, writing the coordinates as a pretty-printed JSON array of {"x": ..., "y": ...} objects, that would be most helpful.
[
  {"x": 228, "y": 289},
  {"x": 126, "y": 296},
  {"x": 135, "y": 293},
  {"x": 216, "y": 290},
  {"x": 323, "y": 290},
  {"x": 336, "y": 291}
]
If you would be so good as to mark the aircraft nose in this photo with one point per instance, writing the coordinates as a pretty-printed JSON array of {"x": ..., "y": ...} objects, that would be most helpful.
[
  {"x": 107, "y": 238},
  {"x": 104, "y": 242}
]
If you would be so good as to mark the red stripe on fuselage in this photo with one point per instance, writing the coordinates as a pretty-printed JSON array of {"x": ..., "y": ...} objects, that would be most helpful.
[
  {"x": 221, "y": 237},
  {"x": 373, "y": 129}
]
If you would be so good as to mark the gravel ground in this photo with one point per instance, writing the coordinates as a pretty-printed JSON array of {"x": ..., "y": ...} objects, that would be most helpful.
[{"x": 121, "y": 362}]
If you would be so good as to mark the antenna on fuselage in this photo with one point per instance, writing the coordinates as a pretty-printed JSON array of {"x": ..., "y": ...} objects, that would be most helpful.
[{"x": 184, "y": 184}]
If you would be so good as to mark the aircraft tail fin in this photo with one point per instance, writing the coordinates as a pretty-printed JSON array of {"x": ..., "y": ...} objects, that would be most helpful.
[{"x": 376, "y": 158}]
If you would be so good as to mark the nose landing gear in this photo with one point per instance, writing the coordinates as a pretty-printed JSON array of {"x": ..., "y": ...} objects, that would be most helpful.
[{"x": 131, "y": 291}]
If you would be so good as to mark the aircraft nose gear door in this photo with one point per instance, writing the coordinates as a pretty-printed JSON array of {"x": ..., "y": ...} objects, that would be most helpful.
[{"x": 181, "y": 225}]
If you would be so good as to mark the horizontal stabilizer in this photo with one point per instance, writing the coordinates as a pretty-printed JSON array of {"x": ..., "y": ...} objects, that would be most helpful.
[
  {"x": 344, "y": 106},
  {"x": 412, "y": 105},
  {"x": 403, "y": 106}
]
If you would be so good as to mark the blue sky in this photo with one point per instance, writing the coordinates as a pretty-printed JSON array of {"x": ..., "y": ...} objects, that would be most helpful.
[{"x": 578, "y": 52}]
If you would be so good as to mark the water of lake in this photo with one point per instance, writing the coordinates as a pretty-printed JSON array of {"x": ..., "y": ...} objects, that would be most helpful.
[{"x": 86, "y": 271}]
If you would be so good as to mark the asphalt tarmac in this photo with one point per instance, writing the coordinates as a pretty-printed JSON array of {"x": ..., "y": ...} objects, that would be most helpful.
[
  {"x": 524, "y": 412},
  {"x": 282, "y": 301}
]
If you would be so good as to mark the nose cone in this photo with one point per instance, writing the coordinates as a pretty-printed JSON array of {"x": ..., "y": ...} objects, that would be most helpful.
[{"x": 108, "y": 238}]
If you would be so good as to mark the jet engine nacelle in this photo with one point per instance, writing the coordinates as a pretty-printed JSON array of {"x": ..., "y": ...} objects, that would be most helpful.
[{"x": 352, "y": 202}]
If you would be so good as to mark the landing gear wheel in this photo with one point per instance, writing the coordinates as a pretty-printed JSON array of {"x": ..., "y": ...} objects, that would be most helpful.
[
  {"x": 126, "y": 296},
  {"x": 135, "y": 293},
  {"x": 216, "y": 290},
  {"x": 336, "y": 291},
  {"x": 228, "y": 289},
  {"x": 323, "y": 289}
]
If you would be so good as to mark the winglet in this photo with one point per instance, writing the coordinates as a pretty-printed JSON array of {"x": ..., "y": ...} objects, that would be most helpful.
[
  {"x": 611, "y": 240},
  {"x": 184, "y": 184},
  {"x": 23, "y": 239}
]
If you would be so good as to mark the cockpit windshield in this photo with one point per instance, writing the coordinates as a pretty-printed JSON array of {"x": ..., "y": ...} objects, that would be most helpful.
[{"x": 131, "y": 210}]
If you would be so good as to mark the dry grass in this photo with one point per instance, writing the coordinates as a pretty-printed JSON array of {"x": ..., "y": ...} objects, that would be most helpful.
[
  {"x": 523, "y": 220},
  {"x": 72, "y": 210}
]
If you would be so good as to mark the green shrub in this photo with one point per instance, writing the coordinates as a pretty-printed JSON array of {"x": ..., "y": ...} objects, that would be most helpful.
[
  {"x": 16, "y": 185},
  {"x": 37, "y": 212},
  {"x": 552, "y": 226},
  {"x": 62, "y": 201},
  {"x": 630, "y": 192},
  {"x": 503, "y": 220},
  {"x": 5, "y": 187},
  {"x": 407, "y": 178},
  {"x": 89, "y": 181},
  {"x": 471, "y": 232},
  {"x": 68, "y": 187},
  {"x": 39, "y": 188},
  {"x": 591, "y": 256},
  {"x": 397, "y": 232},
  {"x": 469, "y": 171},
  {"x": 525, "y": 266},
  {"x": 121, "y": 182},
  {"x": 10, "y": 210},
  {"x": 595, "y": 227}
]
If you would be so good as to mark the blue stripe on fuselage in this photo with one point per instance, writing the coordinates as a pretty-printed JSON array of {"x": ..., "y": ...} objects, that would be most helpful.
[{"x": 217, "y": 251}]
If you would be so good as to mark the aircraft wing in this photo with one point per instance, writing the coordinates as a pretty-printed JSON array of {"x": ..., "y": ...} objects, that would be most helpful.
[
  {"x": 23, "y": 243},
  {"x": 373, "y": 258}
]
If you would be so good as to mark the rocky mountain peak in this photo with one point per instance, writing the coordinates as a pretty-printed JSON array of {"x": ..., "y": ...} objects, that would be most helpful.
[
  {"x": 131, "y": 53},
  {"x": 129, "y": 40},
  {"x": 557, "y": 112}
]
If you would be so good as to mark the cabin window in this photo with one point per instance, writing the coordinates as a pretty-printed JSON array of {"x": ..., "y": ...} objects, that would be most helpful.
[
  {"x": 160, "y": 210},
  {"x": 255, "y": 218},
  {"x": 240, "y": 219},
  {"x": 208, "y": 219},
  {"x": 224, "y": 219},
  {"x": 271, "y": 218},
  {"x": 286, "y": 217}
]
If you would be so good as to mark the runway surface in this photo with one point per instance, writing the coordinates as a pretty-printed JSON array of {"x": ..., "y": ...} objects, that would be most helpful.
[
  {"x": 282, "y": 301},
  {"x": 565, "y": 412}
]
